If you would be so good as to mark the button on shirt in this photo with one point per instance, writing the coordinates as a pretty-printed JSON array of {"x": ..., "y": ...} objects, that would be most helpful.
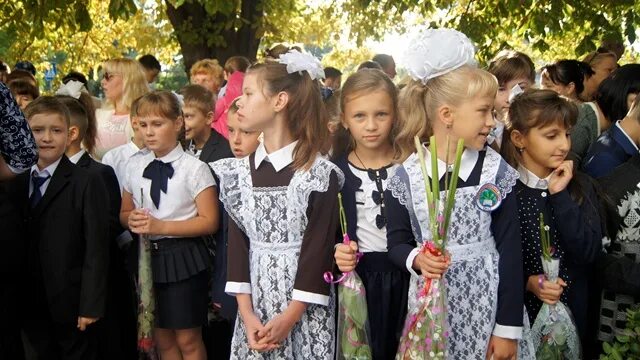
[{"x": 48, "y": 171}]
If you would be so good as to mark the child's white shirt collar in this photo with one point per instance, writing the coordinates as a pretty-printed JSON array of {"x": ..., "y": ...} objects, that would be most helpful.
[
  {"x": 280, "y": 158},
  {"x": 532, "y": 180},
  {"x": 467, "y": 163}
]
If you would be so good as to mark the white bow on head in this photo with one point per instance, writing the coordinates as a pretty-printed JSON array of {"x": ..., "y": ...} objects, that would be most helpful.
[
  {"x": 435, "y": 52},
  {"x": 72, "y": 88},
  {"x": 180, "y": 98},
  {"x": 299, "y": 62}
]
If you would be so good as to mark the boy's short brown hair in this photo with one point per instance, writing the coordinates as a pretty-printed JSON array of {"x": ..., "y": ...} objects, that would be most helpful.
[
  {"x": 198, "y": 97},
  {"x": 48, "y": 105},
  {"x": 236, "y": 63}
]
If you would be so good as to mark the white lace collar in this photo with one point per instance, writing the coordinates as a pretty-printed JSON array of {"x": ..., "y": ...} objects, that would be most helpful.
[
  {"x": 280, "y": 158},
  {"x": 467, "y": 163},
  {"x": 532, "y": 180}
]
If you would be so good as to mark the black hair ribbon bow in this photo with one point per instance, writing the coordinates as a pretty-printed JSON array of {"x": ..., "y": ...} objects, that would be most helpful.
[{"x": 159, "y": 173}]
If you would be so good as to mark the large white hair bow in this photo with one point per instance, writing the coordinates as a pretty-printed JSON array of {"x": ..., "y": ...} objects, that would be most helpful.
[
  {"x": 72, "y": 88},
  {"x": 435, "y": 52},
  {"x": 299, "y": 62}
]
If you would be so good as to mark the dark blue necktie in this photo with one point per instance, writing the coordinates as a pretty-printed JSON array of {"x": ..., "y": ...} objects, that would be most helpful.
[
  {"x": 159, "y": 173},
  {"x": 37, "y": 182}
]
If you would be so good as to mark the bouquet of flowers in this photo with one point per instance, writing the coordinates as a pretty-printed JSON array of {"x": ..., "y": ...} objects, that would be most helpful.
[
  {"x": 554, "y": 332},
  {"x": 425, "y": 331},
  {"x": 146, "y": 301},
  {"x": 353, "y": 343}
]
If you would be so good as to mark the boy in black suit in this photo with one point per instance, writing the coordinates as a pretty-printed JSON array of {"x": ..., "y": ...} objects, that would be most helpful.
[
  {"x": 208, "y": 145},
  {"x": 67, "y": 218},
  {"x": 120, "y": 317}
]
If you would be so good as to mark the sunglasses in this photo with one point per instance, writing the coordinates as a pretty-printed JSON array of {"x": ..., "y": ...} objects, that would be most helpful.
[{"x": 108, "y": 76}]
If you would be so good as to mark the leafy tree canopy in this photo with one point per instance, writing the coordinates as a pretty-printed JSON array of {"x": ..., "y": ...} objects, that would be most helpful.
[{"x": 79, "y": 34}]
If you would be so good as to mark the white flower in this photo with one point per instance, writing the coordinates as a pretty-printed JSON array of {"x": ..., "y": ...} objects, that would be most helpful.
[
  {"x": 72, "y": 88},
  {"x": 299, "y": 62},
  {"x": 435, "y": 52}
]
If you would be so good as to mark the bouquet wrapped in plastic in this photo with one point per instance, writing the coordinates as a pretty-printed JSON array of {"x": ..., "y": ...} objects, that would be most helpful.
[
  {"x": 146, "y": 300},
  {"x": 425, "y": 331},
  {"x": 353, "y": 339},
  {"x": 554, "y": 333}
]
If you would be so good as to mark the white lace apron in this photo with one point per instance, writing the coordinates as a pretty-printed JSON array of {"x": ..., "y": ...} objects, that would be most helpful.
[
  {"x": 472, "y": 278},
  {"x": 274, "y": 219}
]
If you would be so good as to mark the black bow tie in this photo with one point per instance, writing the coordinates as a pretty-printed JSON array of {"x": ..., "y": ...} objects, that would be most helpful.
[
  {"x": 159, "y": 173},
  {"x": 377, "y": 174}
]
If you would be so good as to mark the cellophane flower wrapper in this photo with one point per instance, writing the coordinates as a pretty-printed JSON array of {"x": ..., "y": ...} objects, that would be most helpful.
[
  {"x": 353, "y": 327},
  {"x": 554, "y": 332},
  {"x": 425, "y": 331},
  {"x": 146, "y": 302}
]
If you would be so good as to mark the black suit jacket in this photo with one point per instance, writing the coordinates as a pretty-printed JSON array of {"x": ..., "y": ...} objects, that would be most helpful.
[
  {"x": 108, "y": 176},
  {"x": 67, "y": 238},
  {"x": 216, "y": 148}
]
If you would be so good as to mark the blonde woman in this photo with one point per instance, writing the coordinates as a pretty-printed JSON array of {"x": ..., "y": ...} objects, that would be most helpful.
[{"x": 123, "y": 81}]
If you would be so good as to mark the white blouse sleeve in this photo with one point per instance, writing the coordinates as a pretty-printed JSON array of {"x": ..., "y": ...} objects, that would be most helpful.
[{"x": 202, "y": 178}]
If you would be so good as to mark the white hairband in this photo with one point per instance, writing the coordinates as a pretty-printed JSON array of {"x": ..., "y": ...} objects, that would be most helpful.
[{"x": 72, "y": 88}]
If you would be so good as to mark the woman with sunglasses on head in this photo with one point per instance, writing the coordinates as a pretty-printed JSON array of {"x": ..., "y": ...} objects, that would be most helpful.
[{"x": 123, "y": 81}]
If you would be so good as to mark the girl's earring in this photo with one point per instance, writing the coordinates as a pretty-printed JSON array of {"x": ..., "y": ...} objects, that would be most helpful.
[
  {"x": 521, "y": 150},
  {"x": 448, "y": 126}
]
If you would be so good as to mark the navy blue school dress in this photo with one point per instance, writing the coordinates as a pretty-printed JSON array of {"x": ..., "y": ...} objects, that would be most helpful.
[
  {"x": 576, "y": 236},
  {"x": 386, "y": 285}
]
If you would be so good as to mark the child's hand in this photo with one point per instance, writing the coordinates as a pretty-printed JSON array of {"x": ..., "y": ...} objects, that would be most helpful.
[
  {"x": 560, "y": 177},
  {"x": 501, "y": 348},
  {"x": 345, "y": 256},
  {"x": 278, "y": 328},
  {"x": 140, "y": 222},
  {"x": 253, "y": 326},
  {"x": 83, "y": 322},
  {"x": 430, "y": 265},
  {"x": 549, "y": 293}
]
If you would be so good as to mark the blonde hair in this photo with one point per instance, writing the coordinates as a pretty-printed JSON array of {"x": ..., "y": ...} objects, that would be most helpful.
[
  {"x": 361, "y": 83},
  {"x": 418, "y": 103},
  {"x": 159, "y": 103},
  {"x": 595, "y": 57},
  {"x": 208, "y": 67},
  {"x": 134, "y": 82}
]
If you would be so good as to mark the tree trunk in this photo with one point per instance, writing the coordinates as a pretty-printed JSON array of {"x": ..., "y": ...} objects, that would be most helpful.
[{"x": 190, "y": 18}]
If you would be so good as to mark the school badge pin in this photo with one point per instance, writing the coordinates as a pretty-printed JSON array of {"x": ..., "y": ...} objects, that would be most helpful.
[{"x": 488, "y": 197}]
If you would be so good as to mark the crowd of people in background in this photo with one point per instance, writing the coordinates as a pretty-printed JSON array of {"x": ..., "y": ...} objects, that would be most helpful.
[{"x": 234, "y": 181}]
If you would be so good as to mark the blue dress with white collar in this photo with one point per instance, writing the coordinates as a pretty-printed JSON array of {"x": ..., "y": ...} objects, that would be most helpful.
[{"x": 484, "y": 281}]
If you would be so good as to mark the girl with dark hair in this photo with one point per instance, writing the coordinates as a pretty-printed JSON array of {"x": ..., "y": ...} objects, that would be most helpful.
[{"x": 537, "y": 143}]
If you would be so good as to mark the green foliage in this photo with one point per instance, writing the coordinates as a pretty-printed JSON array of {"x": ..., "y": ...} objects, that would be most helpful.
[{"x": 626, "y": 346}]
